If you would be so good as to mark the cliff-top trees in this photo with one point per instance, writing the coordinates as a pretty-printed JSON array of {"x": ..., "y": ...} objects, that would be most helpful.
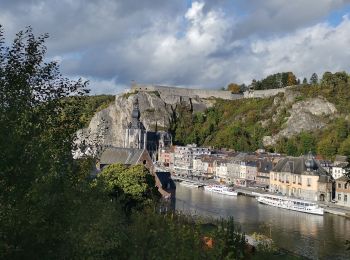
[
  {"x": 278, "y": 80},
  {"x": 314, "y": 79},
  {"x": 234, "y": 88}
]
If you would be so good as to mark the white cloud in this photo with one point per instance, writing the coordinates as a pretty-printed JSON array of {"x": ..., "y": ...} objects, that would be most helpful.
[
  {"x": 208, "y": 44},
  {"x": 317, "y": 48}
]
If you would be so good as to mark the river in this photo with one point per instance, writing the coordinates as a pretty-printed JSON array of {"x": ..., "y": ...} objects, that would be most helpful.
[{"x": 312, "y": 236}]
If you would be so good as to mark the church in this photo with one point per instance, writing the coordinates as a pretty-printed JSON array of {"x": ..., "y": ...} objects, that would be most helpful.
[
  {"x": 136, "y": 135},
  {"x": 140, "y": 145}
]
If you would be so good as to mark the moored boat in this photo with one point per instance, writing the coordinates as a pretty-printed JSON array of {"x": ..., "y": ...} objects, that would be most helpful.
[
  {"x": 221, "y": 190},
  {"x": 189, "y": 184},
  {"x": 291, "y": 204}
]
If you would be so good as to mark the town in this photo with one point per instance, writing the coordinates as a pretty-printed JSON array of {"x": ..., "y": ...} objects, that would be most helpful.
[
  {"x": 308, "y": 177},
  {"x": 305, "y": 177}
]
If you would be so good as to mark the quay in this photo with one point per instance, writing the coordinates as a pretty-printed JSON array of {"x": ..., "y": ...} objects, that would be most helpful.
[{"x": 254, "y": 192}]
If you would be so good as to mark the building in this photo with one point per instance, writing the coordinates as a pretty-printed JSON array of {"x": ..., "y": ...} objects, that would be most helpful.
[
  {"x": 234, "y": 169},
  {"x": 135, "y": 133},
  {"x": 340, "y": 159},
  {"x": 221, "y": 170},
  {"x": 165, "y": 156},
  {"x": 183, "y": 160},
  {"x": 263, "y": 174},
  {"x": 137, "y": 137},
  {"x": 198, "y": 151},
  {"x": 301, "y": 177},
  {"x": 342, "y": 191},
  {"x": 126, "y": 156},
  {"x": 251, "y": 171},
  {"x": 339, "y": 169}
]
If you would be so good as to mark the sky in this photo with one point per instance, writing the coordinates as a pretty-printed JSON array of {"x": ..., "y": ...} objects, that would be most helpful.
[{"x": 197, "y": 44}]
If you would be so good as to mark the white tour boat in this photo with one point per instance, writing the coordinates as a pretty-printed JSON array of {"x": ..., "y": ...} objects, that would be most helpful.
[
  {"x": 221, "y": 189},
  {"x": 189, "y": 184},
  {"x": 291, "y": 204}
]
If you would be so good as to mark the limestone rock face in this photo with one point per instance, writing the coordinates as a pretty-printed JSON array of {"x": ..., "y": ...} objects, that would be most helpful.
[
  {"x": 305, "y": 115},
  {"x": 107, "y": 127}
]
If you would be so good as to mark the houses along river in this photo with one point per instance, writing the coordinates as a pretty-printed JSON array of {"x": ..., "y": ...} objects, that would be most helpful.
[{"x": 312, "y": 236}]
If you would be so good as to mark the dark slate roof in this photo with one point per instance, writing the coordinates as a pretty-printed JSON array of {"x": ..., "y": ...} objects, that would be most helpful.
[
  {"x": 340, "y": 158},
  {"x": 165, "y": 180},
  {"x": 265, "y": 166},
  {"x": 113, "y": 155},
  {"x": 297, "y": 165},
  {"x": 341, "y": 165},
  {"x": 343, "y": 178}
]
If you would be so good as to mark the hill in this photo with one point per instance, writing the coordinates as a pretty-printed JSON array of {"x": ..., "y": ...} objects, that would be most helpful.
[
  {"x": 306, "y": 117},
  {"x": 292, "y": 120}
]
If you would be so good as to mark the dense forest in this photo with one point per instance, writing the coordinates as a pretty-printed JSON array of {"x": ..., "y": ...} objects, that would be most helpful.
[{"x": 237, "y": 124}]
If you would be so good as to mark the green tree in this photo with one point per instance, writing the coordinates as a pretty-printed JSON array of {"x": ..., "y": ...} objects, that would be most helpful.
[
  {"x": 344, "y": 148},
  {"x": 48, "y": 209},
  {"x": 130, "y": 186},
  {"x": 304, "y": 81},
  {"x": 314, "y": 79}
]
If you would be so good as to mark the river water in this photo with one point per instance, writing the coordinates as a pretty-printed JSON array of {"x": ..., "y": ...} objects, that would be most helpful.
[{"x": 312, "y": 236}]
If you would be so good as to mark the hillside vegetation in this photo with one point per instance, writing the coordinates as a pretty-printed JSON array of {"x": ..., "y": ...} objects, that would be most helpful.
[
  {"x": 86, "y": 106},
  {"x": 238, "y": 124}
]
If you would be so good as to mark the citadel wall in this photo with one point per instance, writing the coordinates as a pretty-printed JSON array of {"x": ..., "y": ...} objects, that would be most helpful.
[
  {"x": 187, "y": 92},
  {"x": 174, "y": 94}
]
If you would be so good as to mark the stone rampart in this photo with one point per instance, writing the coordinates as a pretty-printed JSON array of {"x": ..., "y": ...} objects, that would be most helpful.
[
  {"x": 187, "y": 92},
  {"x": 264, "y": 93},
  {"x": 172, "y": 95}
]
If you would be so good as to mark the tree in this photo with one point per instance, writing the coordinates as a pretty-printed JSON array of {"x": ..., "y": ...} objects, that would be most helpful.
[
  {"x": 48, "y": 209},
  {"x": 234, "y": 88},
  {"x": 291, "y": 80},
  {"x": 344, "y": 148},
  {"x": 332, "y": 80},
  {"x": 130, "y": 186},
  {"x": 314, "y": 79},
  {"x": 304, "y": 81}
]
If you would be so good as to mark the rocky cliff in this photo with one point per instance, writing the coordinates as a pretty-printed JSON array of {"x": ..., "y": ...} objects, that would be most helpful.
[
  {"x": 304, "y": 115},
  {"x": 107, "y": 126}
]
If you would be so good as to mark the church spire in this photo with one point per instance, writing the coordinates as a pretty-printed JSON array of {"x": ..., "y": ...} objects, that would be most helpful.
[{"x": 135, "y": 115}]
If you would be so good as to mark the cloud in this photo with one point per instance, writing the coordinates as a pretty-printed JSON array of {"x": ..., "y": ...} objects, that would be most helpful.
[{"x": 204, "y": 44}]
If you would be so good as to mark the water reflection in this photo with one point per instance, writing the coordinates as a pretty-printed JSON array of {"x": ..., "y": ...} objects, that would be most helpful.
[{"x": 317, "y": 237}]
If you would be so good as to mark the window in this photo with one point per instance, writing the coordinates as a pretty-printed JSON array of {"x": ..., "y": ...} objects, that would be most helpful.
[
  {"x": 299, "y": 191},
  {"x": 339, "y": 196},
  {"x": 294, "y": 178},
  {"x": 299, "y": 180},
  {"x": 339, "y": 185},
  {"x": 287, "y": 178},
  {"x": 309, "y": 182},
  {"x": 345, "y": 198}
]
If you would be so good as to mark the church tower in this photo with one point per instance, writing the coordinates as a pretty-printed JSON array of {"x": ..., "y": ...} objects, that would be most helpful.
[{"x": 135, "y": 133}]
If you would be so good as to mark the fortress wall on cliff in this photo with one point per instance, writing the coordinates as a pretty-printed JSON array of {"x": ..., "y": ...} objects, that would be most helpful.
[
  {"x": 187, "y": 92},
  {"x": 173, "y": 95},
  {"x": 264, "y": 93}
]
